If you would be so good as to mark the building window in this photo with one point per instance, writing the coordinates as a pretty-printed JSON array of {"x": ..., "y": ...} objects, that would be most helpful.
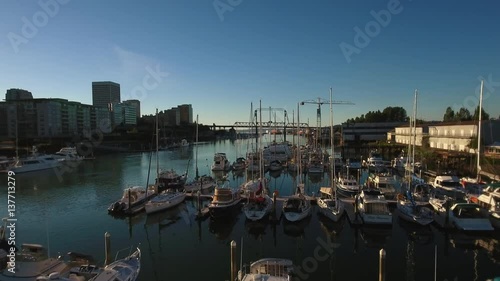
[
  {"x": 471, "y": 133},
  {"x": 462, "y": 133},
  {"x": 453, "y": 132},
  {"x": 445, "y": 132}
]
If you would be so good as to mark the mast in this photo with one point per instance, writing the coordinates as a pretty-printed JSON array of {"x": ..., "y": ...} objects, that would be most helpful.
[
  {"x": 157, "y": 158},
  {"x": 332, "y": 168},
  {"x": 261, "y": 154},
  {"x": 479, "y": 132},
  {"x": 299, "y": 159},
  {"x": 196, "y": 152},
  {"x": 414, "y": 130}
]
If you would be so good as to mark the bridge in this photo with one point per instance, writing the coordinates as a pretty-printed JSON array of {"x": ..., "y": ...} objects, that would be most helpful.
[{"x": 270, "y": 124}]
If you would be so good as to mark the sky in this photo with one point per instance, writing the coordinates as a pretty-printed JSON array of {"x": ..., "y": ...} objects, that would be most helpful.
[{"x": 222, "y": 56}]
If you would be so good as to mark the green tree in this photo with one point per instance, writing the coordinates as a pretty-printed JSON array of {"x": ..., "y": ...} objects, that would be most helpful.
[
  {"x": 463, "y": 115},
  {"x": 484, "y": 115},
  {"x": 449, "y": 115}
]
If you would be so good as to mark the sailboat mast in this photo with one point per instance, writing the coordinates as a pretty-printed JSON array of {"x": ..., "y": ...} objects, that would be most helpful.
[
  {"x": 414, "y": 130},
  {"x": 157, "y": 158},
  {"x": 479, "y": 132},
  {"x": 196, "y": 153},
  {"x": 261, "y": 154},
  {"x": 332, "y": 168},
  {"x": 299, "y": 159}
]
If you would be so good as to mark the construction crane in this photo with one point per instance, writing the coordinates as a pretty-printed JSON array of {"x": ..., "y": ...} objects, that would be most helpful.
[{"x": 320, "y": 102}]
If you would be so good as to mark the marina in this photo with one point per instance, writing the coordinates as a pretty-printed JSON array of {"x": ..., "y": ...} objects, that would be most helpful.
[{"x": 70, "y": 214}]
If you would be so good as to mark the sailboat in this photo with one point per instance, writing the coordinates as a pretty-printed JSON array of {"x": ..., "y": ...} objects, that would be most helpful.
[
  {"x": 199, "y": 183},
  {"x": 297, "y": 207},
  {"x": 168, "y": 198},
  {"x": 331, "y": 207},
  {"x": 135, "y": 198},
  {"x": 259, "y": 204},
  {"x": 407, "y": 208}
]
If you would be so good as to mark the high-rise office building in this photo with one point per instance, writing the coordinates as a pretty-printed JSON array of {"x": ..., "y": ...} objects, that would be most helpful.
[
  {"x": 136, "y": 104},
  {"x": 185, "y": 114},
  {"x": 18, "y": 94},
  {"x": 105, "y": 93}
]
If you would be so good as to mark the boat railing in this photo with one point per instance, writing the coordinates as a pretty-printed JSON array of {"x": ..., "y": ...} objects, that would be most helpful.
[{"x": 130, "y": 249}]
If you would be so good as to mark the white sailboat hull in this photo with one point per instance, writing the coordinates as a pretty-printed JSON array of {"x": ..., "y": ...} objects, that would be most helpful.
[
  {"x": 254, "y": 212},
  {"x": 161, "y": 203}
]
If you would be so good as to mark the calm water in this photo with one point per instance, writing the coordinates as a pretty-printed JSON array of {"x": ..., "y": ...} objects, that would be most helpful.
[{"x": 71, "y": 215}]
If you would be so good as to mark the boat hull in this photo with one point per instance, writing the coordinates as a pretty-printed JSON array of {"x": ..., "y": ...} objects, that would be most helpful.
[{"x": 157, "y": 206}]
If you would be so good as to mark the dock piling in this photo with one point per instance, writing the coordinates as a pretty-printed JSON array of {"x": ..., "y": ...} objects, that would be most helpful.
[
  {"x": 233, "y": 261},
  {"x": 107, "y": 248},
  {"x": 381, "y": 269}
]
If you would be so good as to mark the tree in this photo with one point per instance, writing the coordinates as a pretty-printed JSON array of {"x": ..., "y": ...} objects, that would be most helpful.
[
  {"x": 463, "y": 115},
  {"x": 449, "y": 115},
  {"x": 484, "y": 115}
]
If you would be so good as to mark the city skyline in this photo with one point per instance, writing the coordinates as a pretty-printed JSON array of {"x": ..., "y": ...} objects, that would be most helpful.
[{"x": 221, "y": 60}]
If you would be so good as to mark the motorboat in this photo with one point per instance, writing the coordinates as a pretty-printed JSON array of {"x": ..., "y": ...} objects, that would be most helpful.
[
  {"x": 34, "y": 163},
  {"x": 461, "y": 214},
  {"x": 224, "y": 201},
  {"x": 489, "y": 200},
  {"x": 296, "y": 208},
  {"x": 184, "y": 143},
  {"x": 410, "y": 211},
  {"x": 220, "y": 162},
  {"x": 373, "y": 207},
  {"x": 5, "y": 163},
  {"x": 385, "y": 183},
  {"x": 330, "y": 207},
  {"x": 239, "y": 164},
  {"x": 348, "y": 185},
  {"x": 448, "y": 183},
  {"x": 68, "y": 154},
  {"x": 277, "y": 151},
  {"x": 168, "y": 179},
  {"x": 165, "y": 200},
  {"x": 251, "y": 187},
  {"x": 202, "y": 183},
  {"x": 133, "y": 200},
  {"x": 315, "y": 165},
  {"x": 270, "y": 269}
]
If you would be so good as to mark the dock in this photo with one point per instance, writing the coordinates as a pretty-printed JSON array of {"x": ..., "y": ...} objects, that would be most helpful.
[{"x": 349, "y": 209}]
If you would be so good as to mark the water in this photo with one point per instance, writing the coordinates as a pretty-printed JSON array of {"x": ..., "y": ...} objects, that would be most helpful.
[{"x": 70, "y": 214}]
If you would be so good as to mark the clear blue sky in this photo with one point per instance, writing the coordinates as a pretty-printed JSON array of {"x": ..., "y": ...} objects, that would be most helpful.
[{"x": 282, "y": 52}]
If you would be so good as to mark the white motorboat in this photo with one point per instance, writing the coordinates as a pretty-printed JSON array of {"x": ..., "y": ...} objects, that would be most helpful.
[
  {"x": 410, "y": 211},
  {"x": 133, "y": 200},
  {"x": 35, "y": 163},
  {"x": 448, "y": 183},
  {"x": 68, "y": 154},
  {"x": 270, "y": 269},
  {"x": 348, "y": 185},
  {"x": 461, "y": 214},
  {"x": 385, "y": 183},
  {"x": 165, "y": 200},
  {"x": 170, "y": 179},
  {"x": 202, "y": 183},
  {"x": 126, "y": 269},
  {"x": 296, "y": 208},
  {"x": 258, "y": 207},
  {"x": 225, "y": 200},
  {"x": 220, "y": 162},
  {"x": 277, "y": 151},
  {"x": 330, "y": 207},
  {"x": 373, "y": 207},
  {"x": 490, "y": 201}
]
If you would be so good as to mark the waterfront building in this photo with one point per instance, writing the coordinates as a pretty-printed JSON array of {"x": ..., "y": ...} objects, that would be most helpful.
[
  {"x": 357, "y": 133},
  {"x": 123, "y": 114},
  {"x": 185, "y": 114},
  {"x": 18, "y": 94},
  {"x": 451, "y": 136},
  {"x": 104, "y": 93},
  {"x": 493, "y": 150}
]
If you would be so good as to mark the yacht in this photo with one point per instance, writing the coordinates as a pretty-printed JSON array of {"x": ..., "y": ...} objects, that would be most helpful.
[
  {"x": 225, "y": 200},
  {"x": 133, "y": 200},
  {"x": 296, "y": 208},
  {"x": 385, "y": 183},
  {"x": 330, "y": 207},
  {"x": 165, "y": 200},
  {"x": 461, "y": 214},
  {"x": 373, "y": 207},
  {"x": 448, "y": 183},
  {"x": 315, "y": 165},
  {"x": 170, "y": 179},
  {"x": 68, "y": 154},
  {"x": 490, "y": 201},
  {"x": 421, "y": 192},
  {"x": 270, "y": 269},
  {"x": 220, "y": 162},
  {"x": 277, "y": 151},
  {"x": 35, "y": 163},
  {"x": 349, "y": 186},
  {"x": 275, "y": 165},
  {"x": 239, "y": 164}
]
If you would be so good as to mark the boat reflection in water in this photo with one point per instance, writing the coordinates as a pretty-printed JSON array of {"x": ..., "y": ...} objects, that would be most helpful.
[
  {"x": 257, "y": 229},
  {"x": 222, "y": 227},
  {"x": 421, "y": 235},
  {"x": 170, "y": 216},
  {"x": 296, "y": 229},
  {"x": 375, "y": 236}
]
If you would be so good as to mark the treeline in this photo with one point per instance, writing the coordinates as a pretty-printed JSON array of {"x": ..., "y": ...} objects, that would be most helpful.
[
  {"x": 463, "y": 114},
  {"x": 389, "y": 114}
]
